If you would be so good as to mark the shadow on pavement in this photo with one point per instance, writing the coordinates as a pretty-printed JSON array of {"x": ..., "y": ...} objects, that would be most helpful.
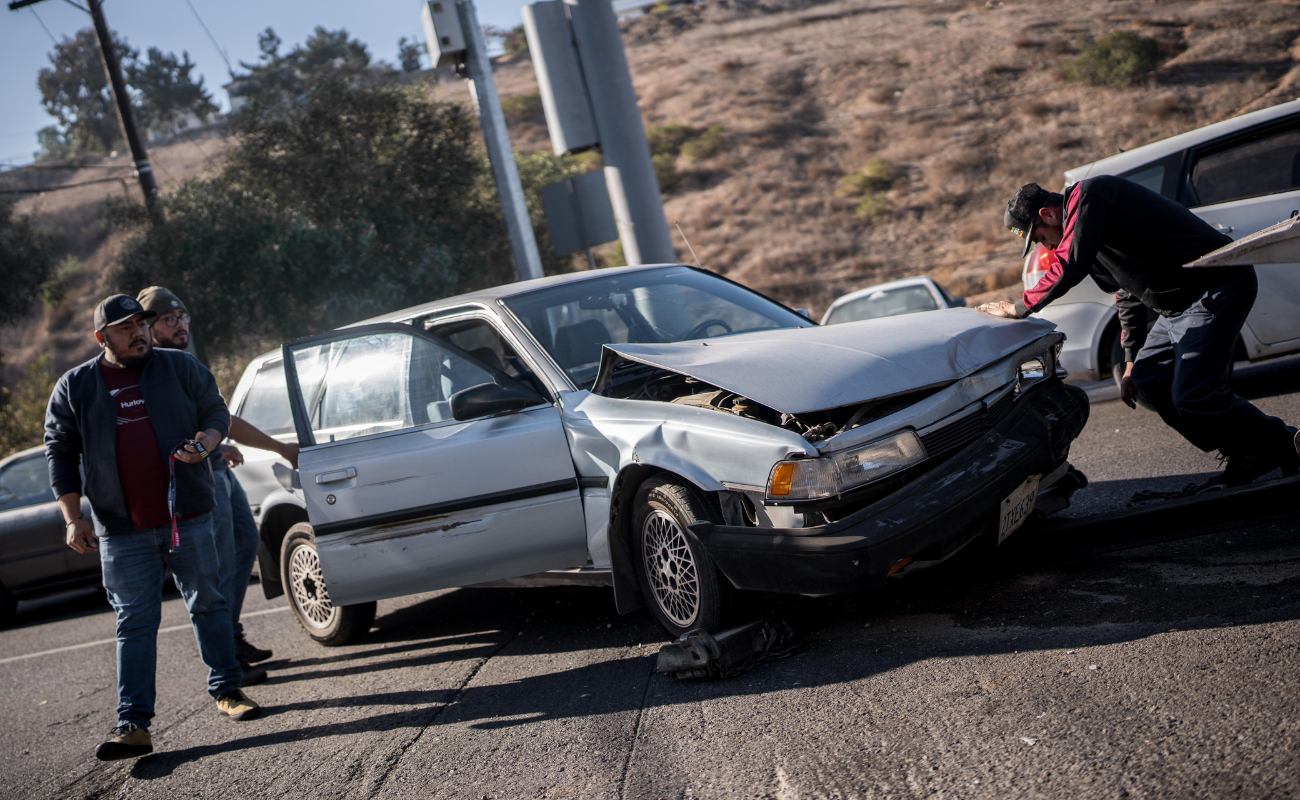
[
  {"x": 1268, "y": 378},
  {"x": 72, "y": 604},
  {"x": 981, "y": 603}
]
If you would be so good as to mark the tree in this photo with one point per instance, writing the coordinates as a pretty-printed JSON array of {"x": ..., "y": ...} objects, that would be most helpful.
[
  {"x": 26, "y": 261},
  {"x": 75, "y": 91},
  {"x": 22, "y": 411},
  {"x": 408, "y": 55},
  {"x": 354, "y": 201},
  {"x": 278, "y": 79},
  {"x": 167, "y": 90}
]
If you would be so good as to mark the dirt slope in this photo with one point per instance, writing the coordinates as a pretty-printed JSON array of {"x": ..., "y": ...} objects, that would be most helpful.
[{"x": 964, "y": 99}]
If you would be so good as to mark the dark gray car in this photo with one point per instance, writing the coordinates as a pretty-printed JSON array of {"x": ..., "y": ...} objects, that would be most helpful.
[{"x": 34, "y": 560}]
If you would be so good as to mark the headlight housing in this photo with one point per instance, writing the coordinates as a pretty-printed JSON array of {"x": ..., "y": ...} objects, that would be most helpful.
[{"x": 811, "y": 479}]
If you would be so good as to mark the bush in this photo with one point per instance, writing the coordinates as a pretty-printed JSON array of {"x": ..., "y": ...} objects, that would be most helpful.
[
  {"x": 666, "y": 171},
  {"x": 667, "y": 140},
  {"x": 26, "y": 261},
  {"x": 1115, "y": 59},
  {"x": 22, "y": 411},
  {"x": 706, "y": 145},
  {"x": 67, "y": 273},
  {"x": 877, "y": 175},
  {"x": 521, "y": 106},
  {"x": 873, "y": 207},
  {"x": 515, "y": 41}
]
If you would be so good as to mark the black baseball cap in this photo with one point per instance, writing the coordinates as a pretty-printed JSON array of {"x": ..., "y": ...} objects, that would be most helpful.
[
  {"x": 118, "y": 309},
  {"x": 1022, "y": 212}
]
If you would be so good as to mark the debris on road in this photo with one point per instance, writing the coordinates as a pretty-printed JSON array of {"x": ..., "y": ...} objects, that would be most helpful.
[{"x": 698, "y": 654}]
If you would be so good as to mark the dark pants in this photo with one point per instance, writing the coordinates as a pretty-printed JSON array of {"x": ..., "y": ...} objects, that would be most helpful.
[{"x": 1182, "y": 372}]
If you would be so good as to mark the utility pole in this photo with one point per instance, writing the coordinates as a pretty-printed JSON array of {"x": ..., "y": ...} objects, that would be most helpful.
[{"x": 125, "y": 114}]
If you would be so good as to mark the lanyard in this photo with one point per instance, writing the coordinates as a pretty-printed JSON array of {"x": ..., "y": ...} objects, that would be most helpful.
[{"x": 171, "y": 501}]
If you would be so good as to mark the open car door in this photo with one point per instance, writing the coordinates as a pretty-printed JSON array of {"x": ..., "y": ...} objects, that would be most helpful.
[{"x": 404, "y": 497}]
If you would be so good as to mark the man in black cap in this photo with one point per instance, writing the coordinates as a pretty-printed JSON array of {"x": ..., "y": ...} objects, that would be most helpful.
[
  {"x": 1133, "y": 242},
  {"x": 141, "y": 422},
  {"x": 234, "y": 526}
]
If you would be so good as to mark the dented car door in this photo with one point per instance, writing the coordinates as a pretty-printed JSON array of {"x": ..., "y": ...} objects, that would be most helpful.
[{"x": 405, "y": 498}]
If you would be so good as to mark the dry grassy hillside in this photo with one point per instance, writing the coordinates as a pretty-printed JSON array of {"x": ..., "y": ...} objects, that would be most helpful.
[{"x": 959, "y": 102}]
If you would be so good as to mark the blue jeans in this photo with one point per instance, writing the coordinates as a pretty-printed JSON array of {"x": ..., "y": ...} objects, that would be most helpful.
[
  {"x": 1182, "y": 372},
  {"x": 237, "y": 542},
  {"x": 135, "y": 566}
]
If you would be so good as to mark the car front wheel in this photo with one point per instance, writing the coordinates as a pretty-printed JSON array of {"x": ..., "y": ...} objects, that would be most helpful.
[
  {"x": 683, "y": 588},
  {"x": 309, "y": 598}
]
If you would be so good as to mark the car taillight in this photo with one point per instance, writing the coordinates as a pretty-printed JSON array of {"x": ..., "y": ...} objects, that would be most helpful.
[{"x": 1036, "y": 264}]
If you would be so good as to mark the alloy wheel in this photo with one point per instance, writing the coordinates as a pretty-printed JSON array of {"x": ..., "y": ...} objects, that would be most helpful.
[
  {"x": 674, "y": 575},
  {"x": 307, "y": 585}
]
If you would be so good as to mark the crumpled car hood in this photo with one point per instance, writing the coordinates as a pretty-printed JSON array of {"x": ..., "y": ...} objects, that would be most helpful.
[{"x": 798, "y": 370}]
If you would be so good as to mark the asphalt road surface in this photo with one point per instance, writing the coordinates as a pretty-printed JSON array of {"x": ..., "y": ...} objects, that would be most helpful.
[{"x": 1161, "y": 671}]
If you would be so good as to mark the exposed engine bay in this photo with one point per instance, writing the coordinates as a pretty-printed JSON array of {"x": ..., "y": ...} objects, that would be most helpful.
[{"x": 631, "y": 380}]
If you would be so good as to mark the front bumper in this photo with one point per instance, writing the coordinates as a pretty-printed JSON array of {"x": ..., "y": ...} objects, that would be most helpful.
[{"x": 927, "y": 520}]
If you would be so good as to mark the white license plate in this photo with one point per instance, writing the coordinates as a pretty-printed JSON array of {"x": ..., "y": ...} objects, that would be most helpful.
[{"x": 1017, "y": 507}]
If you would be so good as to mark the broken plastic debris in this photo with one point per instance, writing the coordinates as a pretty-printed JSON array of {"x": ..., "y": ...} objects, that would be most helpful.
[
  {"x": 1029, "y": 740},
  {"x": 1092, "y": 666}
]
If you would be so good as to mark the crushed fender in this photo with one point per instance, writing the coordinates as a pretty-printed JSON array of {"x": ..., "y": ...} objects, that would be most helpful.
[{"x": 699, "y": 654}]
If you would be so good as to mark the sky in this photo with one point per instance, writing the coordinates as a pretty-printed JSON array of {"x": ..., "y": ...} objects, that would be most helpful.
[{"x": 171, "y": 25}]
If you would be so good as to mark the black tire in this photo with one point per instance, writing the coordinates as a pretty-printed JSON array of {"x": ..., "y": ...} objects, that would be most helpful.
[
  {"x": 304, "y": 587},
  {"x": 8, "y": 607},
  {"x": 683, "y": 588}
]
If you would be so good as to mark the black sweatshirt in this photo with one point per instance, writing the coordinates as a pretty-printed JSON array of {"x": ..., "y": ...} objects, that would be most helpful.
[{"x": 1133, "y": 242}]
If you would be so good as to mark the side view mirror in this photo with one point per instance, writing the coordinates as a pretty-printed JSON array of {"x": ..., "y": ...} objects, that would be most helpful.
[
  {"x": 803, "y": 312},
  {"x": 490, "y": 398},
  {"x": 958, "y": 302}
]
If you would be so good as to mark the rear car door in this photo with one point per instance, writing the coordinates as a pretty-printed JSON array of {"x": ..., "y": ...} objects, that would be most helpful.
[
  {"x": 1242, "y": 185},
  {"x": 402, "y": 497}
]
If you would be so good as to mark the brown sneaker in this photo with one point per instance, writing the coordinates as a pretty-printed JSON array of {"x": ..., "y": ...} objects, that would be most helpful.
[
  {"x": 125, "y": 741},
  {"x": 236, "y": 705}
]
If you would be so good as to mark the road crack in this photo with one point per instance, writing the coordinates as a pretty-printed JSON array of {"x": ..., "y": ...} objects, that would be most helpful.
[
  {"x": 636, "y": 733},
  {"x": 382, "y": 779}
]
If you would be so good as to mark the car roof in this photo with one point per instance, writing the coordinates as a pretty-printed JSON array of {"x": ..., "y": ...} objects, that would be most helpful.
[
  {"x": 495, "y": 293},
  {"x": 480, "y": 297},
  {"x": 1138, "y": 156},
  {"x": 7, "y": 460},
  {"x": 870, "y": 290}
]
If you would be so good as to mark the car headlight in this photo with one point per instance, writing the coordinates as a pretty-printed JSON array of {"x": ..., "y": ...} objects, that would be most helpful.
[{"x": 808, "y": 479}]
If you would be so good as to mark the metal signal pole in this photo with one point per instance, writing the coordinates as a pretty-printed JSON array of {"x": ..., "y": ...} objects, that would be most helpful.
[{"x": 125, "y": 114}]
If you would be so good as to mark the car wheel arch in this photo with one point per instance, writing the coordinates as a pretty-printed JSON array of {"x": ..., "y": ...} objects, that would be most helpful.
[
  {"x": 622, "y": 511},
  {"x": 276, "y": 522}
]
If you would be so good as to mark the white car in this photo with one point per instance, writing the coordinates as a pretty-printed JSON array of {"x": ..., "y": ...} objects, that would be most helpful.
[
  {"x": 660, "y": 429},
  {"x": 906, "y": 296},
  {"x": 1241, "y": 176}
]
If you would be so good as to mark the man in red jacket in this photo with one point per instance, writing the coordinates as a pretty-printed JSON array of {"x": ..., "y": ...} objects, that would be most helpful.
[{"x": 1133, "y": 242}]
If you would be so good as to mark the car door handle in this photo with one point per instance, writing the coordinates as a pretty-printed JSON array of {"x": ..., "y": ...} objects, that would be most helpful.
[
  {"x": 1221, "y": 228},
  {"x": 336, "y": 476}
]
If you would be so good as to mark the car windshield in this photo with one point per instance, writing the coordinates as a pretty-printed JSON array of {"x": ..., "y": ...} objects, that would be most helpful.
[
  {"x": 576, "y": 320},
  {"x": 884, "y": 303}
]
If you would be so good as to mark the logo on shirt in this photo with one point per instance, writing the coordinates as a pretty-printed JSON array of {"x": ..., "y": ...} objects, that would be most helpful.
[{"x": 130, "y": 403}]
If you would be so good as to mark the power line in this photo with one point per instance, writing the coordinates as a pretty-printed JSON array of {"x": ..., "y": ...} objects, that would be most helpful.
[
  {"x": 43, "y": 25},
  {"x": 211, "y": 37}
]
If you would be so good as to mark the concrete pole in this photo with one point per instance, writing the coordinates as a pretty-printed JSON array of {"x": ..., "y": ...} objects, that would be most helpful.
[
  {"x": 483, "y": 90},
  {"x": 629, "y": 172}
]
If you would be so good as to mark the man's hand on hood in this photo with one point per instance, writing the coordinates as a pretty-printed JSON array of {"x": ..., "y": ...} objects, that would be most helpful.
[{"x": 998, "y": 308}]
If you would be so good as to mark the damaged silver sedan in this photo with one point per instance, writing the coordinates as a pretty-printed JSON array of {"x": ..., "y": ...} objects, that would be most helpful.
[{"x": 666, "y": 431}]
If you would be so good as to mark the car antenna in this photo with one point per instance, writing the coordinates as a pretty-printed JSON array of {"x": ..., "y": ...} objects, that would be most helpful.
[{"x": 688, "y": 244}]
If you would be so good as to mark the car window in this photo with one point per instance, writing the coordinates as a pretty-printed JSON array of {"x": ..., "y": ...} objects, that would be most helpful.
[
  {"x": 1152, "y": 178},
  {"x": 574, "y": 321},
  {"x": 25, "y": 482},
  {"x": 266, "y": 406},
  {"x": 380, "y": 382},
  {"x": 481, "y": 340},
  {"x": 885, "y": 303},
  {"x": 1263, "y": 164}
]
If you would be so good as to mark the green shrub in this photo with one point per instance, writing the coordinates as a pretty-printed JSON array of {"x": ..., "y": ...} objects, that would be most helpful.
[
  {"x": 667, "y": 140},
  {"x": 666, "y": 171},
  {"x": 873, "y": 207},
  {"x": 1115, "y": 59},
  {"x": 661, "y": 7},
  {"x": 516, "y": 41},
  {"x": 68, "y": 272},
  {"x": 22, "y": 411},
  {"x": 706, "y": 145},
  {"x": 877, "y": 175}
]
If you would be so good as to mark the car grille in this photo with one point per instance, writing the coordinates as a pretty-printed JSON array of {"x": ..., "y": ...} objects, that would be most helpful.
[{"x": 943, "y": 438}]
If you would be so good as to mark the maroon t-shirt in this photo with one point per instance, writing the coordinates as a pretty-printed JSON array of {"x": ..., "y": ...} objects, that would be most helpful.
[{"x": 140, "y": 468}]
